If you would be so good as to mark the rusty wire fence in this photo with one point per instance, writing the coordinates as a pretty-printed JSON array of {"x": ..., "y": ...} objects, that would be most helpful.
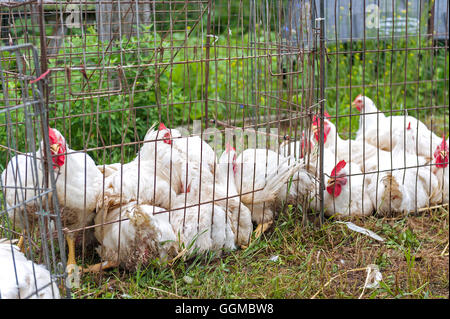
[
  {"x": 386, "y": 86},
  {"x": 36, "y": 265},
  {"x": 176, "y": 127}
]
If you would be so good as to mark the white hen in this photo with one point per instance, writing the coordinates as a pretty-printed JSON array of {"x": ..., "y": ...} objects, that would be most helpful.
[
  {"x": 133, "y": 235},
  {"x": 408, "y": 186},
  {"x": 331, "y": 140},
  {"x": 262, "y": 176},
  {"x": 346, "y": 189},
  {"x": 201, "y": 228},
  {"x": 20, "y": 182},
  {"x": 380, "y": 130},
  {"x": 159, "y": 149},
  {"x": 132, "y": 191},
  {"x": 78, "y": 186},
  {"x": 21, "y": 278},
  {"x": 346, "y": 192},
  {"x": 221, "y": 189}
]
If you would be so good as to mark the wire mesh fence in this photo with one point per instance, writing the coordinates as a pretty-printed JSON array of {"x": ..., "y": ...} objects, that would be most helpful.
[
  {"x": 174, "y": 126},
  {"x": 27, "y": 184}
]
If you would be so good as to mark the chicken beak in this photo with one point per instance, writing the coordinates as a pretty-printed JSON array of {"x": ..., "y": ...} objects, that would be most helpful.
[
  {"x": 54, "y": 148},
  {"x": 443, "y": 154},
  {"x": 314, "y": 129},
  {"x": 331, "y": 182},
  {"x": 357, "y": 104}
]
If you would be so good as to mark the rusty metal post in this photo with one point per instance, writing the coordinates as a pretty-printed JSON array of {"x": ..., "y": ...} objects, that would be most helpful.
[
  {"x": 207, "y": 47},
  {"x": 322, "y": 102}
]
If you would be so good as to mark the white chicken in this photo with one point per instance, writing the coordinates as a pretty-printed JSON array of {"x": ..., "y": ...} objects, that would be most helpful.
[
  {"x": 356, "y": 151},
  {"x": 403, "y": 184},
  {"x": 195, "y": 149},
  {"x": 221, "y": 189},
  {"x": 371, "y": 118},
  {"x": 158, "y": 149},
  {"x": 195, "y": 177},
  {"x": 380, "y": 130},
  {"x": 147, "y": 182},
  {"x": 346, "y": 189},
  {"x": 78, "y": 186},
  {"x": 347, "y": 192},
  {"x": 173, "y": 153},
  {"x": 132, "y": 235},
  {"x": 131, "y": 192},
  {"x": 332, "y": 140},
  {"x": 20, "y": 278},
  {"x": 20, "y": 182},
  {"x": 261, "y": 177},
  {"x": 202, "y": 227}
]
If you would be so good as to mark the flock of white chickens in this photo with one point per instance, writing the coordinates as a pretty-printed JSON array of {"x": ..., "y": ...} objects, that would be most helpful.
[{"x": 176, "y": 198}]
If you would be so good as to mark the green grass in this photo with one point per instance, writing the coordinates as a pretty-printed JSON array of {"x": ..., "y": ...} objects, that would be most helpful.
[{"x": 321, "y": 261}]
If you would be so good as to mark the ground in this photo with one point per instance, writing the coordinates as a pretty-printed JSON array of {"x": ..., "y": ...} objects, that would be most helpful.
[{"x": 320, "y": 261}]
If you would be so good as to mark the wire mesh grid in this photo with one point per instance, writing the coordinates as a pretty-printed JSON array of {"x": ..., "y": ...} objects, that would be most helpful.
[
  {"x": 27, "y": 184},
  {"x": 396, "y": 64},
  {"x": 188, "y": 121}
]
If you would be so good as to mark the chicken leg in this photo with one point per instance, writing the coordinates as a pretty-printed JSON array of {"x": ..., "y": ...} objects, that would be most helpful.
[
  {"x": 71, "y": 245},
  {"x": 21, "y": 244},
  {"x": 101, "y": 266},
  {"x": 261, "y": 228}
]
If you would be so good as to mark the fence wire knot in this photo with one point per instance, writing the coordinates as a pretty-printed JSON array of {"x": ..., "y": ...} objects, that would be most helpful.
[{"x": 42, "y": 76}]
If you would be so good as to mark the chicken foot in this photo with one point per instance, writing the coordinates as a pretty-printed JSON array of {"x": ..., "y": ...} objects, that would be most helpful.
[
  {"x": 261, "y": 228},
  {"x": 101, "y": 266}
]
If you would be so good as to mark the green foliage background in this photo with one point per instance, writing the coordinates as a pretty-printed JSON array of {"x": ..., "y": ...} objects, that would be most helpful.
[{"x": 396, "y": 74}]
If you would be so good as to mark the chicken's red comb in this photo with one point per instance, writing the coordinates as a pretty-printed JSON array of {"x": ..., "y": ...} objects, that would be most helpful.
[
  {"x": 338, "y": 167},
  {"x": 162, "y": 126},
  {"x": 409, "y": 126},
  {"x": 229, "y": 148},
  {"x": 51, "y": 134},
  {"x": 444, "y": 142},
  {"x": 440, "y": 147},
  {"x": 327, "y": 116}
]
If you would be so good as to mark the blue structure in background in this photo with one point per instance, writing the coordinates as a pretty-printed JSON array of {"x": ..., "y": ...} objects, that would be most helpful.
[{"x": 374, "y": 18}]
